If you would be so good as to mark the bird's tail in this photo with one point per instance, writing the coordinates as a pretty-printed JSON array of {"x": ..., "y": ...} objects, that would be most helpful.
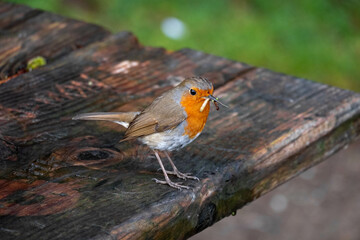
[{"x": 122, "y": 118}]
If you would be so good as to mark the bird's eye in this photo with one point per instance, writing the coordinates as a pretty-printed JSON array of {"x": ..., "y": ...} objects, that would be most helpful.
[{"x": 192, "y": 92}]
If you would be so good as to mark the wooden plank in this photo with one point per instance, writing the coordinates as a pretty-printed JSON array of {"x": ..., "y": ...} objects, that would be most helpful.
[
  {"x": 13, "y": 14},
  {"x": 101, "y": 76},
  {"x": 26, "y": 33},
  {"x": 63, "y": 179}
]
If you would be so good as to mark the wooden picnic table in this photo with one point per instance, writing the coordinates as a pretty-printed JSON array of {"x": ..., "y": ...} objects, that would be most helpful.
[{"x": 64, "y": 179}]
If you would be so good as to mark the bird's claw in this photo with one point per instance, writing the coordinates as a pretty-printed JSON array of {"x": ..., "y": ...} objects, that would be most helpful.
[
  {"x": 183, "y": 175},
  {"x": 171, "y": 184}
]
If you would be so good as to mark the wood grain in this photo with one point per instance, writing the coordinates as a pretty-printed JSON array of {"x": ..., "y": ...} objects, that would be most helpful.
[
  {"x": 64, "y": 179},
  {"x": 26, "y": 33}
]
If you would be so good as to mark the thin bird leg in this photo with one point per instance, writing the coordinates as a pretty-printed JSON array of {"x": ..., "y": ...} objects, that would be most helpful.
[
  {"x": 167, "y": 179},
  {"x": 176, "y": 172}
]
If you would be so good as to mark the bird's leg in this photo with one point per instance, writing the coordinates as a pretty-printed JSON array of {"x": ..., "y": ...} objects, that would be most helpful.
[
  {"x": 176, "y": 172},
  {"x": 167, "y": 179}
]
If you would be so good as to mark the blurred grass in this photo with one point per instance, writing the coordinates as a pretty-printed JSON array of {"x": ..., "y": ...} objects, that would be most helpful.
[{"x": 318, "y": 40}]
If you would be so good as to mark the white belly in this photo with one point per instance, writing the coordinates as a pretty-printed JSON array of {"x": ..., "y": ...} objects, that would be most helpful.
[{"x": 168, "y": 140}]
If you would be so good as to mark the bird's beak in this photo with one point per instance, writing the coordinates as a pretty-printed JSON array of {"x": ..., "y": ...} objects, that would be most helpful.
[{"x": 214, "y": 100}]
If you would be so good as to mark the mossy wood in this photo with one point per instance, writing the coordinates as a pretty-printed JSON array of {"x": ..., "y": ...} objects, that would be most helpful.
[{"x": 64, "y": 179}]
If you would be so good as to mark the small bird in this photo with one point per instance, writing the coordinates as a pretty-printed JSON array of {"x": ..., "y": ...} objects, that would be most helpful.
[{"x": 170, "y": 122}]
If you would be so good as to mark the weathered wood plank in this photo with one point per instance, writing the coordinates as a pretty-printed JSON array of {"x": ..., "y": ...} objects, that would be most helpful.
[
  {"x": 13, "y": 14},
  {"x": 101, "y": 76},
  {"x": 62, "y": 179},
  {"x": 26, "y": 33}
]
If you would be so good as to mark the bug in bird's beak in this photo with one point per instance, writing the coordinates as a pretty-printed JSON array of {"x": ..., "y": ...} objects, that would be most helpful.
[{"x": 214, "y": 100}]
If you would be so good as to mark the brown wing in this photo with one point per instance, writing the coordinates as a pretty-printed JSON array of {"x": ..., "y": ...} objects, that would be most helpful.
[{"x": 161, "y": 115}]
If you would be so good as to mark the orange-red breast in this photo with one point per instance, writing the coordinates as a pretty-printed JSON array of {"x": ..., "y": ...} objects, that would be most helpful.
[{"x": 171, "y": 121}]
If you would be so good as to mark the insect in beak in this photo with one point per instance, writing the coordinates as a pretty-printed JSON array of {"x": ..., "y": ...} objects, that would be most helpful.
[{"x": 214, "y": 100}]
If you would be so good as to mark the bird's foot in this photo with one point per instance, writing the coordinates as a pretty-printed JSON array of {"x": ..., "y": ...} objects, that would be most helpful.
[
  {"x": 182, "y": 175},
  {"x": 171, "y": 184}
]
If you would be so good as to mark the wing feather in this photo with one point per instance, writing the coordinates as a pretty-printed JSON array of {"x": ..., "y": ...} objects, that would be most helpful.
[{"x": 163, "y": 114}]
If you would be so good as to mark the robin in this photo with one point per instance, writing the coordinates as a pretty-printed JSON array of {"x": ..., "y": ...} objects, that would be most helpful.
[{"x": 171, "y": 121}]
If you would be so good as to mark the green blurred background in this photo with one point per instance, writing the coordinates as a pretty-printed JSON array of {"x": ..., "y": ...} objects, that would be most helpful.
[{"x": 318, "y": 40}]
